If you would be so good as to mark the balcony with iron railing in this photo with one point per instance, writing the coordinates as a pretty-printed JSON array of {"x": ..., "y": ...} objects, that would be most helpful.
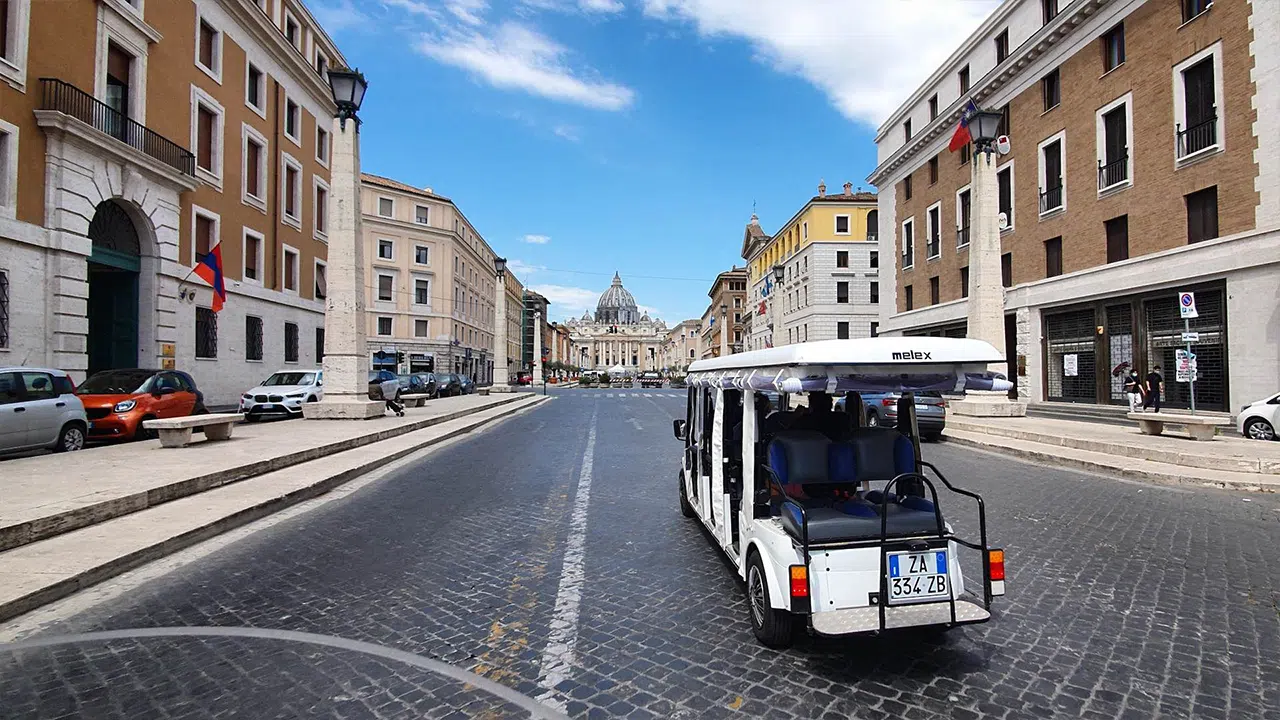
[
  {"x": 1196, "y": 138},
  {"x": 70, "y": 100},
  {"x": 1050, "y": 199},
  {"x": 1113, "y": 173}
]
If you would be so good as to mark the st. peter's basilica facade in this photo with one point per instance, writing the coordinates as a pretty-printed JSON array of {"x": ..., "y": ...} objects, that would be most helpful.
[{"x": 619, "y": 335}]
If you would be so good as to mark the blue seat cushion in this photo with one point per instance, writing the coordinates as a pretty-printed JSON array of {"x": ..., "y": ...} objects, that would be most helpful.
[{"x": 841, "y": 465}]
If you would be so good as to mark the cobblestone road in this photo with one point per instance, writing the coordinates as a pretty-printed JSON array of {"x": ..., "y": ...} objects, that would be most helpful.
[{"x": 1125, "y": 600}]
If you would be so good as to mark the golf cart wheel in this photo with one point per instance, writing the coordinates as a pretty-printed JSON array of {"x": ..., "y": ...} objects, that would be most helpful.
[
  {"x": 685, "y": 508},
  {"x": 1259, "y": 429},
  {"x": 773, "y": 628}
]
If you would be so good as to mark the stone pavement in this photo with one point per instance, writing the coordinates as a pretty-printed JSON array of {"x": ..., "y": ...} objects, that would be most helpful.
[{"x": 1229, "y": 461}]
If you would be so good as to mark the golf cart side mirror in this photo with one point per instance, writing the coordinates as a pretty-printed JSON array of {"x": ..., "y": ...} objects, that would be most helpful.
[{"x": 677, "y": 426}]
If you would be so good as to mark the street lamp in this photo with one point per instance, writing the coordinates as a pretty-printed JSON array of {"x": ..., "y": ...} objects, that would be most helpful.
[
  {"x": 346, "y": 358},
  {"x": 500, "y": 364},
  {"x": 724, "y": 330},
  {"x": 779, "y": 274},
  {"x": 985, "y": 127}
]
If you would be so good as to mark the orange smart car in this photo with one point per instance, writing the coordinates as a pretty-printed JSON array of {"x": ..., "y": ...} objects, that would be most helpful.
[{"x": 117, "y": 401}]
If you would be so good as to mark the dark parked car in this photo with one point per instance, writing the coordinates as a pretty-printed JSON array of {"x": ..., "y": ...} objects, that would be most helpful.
[
  {"x": 882, "y": 410},
  {"x": 468, "y": 385},
  {"x": 378, "y": 384},
  {"x": 418, "y": 383},
  {"x": 448, "y": 385}
]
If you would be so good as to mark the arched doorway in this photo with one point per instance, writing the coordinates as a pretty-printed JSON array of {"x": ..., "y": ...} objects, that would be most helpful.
[{"x": 113, "y": 288}]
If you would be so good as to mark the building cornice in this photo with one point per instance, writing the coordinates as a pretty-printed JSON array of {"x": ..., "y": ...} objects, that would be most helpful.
[
  {"x": 827, "y": 201},
  {"x": 100, "y": 142},
  {"x": 269, "y": 37}
]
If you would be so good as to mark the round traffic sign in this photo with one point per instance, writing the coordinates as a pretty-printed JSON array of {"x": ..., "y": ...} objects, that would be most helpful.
[{"x": 1187, "y": 299}]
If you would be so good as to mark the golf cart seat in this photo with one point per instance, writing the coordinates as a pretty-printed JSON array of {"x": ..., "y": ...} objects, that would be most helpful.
[{"x": 808, "y": 459}]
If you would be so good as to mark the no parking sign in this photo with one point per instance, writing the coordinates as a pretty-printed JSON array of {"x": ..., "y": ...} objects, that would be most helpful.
[{"x": 1187, "y": 305}]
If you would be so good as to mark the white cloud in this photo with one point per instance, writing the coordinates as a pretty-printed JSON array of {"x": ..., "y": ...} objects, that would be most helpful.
[
  {"x": 602, "y": 7},
  {"x": 651, "y": 311},
  {"x": 343, "y": 15},
  {"x": 568, "y": 132},
  {"x": 468, "y": 11},
  {"x": 568, "y": 301},
  {"x": 536, "y": 239},
  {"x": 866, "y": 56},
  {"x": 522, "y": 268}
]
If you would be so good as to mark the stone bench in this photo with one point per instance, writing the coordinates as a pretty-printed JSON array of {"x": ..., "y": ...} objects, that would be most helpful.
[
  {"x": 1199, "y": 427},
  {"x": 176, "y": 432},
  {"x": 415, "y": 399}
]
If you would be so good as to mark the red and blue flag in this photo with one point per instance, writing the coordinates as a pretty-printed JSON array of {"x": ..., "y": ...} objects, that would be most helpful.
[
  {"x": 210, "y": 270},
  {"x": 962, "y": 136}
]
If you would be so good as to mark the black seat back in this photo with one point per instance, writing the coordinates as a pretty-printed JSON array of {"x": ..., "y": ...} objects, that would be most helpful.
[
  {"x": 881, "y": 454},
  {"x": 799, "y": 457}
]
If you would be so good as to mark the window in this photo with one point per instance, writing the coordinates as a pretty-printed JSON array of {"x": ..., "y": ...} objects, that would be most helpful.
[
  {"x": 933, "y": 169},
  {"x": 206, "y": 333},
  {"x": 321, "y": 209},
  {"x": 206, "y": 136},
  {"x": 873, "y": 225},
  {"x": 1117, "y": 239},
  {"x": 421, "y": 255},
  {"x": 842, "y": 258},
  {"x": 204, "y": 234},
  {"x": 964, "y": 281},
  {"x": 964, "y": 79},
  {"x": 909, "y": 297},
  {"x": 386, "y": 288},
  {"x": 1005, "y": 126},
  {"x": 209, "y": 49},
  {"x": 1051, "y": 89},
  {"x": 319, "y": 345},
  {"x": 875, "y": 259},
  {"x": 422, "y": 215},
  {"x": 1052, "y": 194},
  {"x": 255, "y": 167},
  {"x": 842, "y": 224},
  {"x": 804, "y": 231},
  {"x": 293, "y": 121},
  {"x": 1053, "y": 257},
  {"x": 1197, "y": 102},
  {"x": 1050, "y": 8},
  {"x": 1114, "y": 127},
  {"x": 292, "y": 190},
  {"x": 1202, "y": 215},
  {"x": 386, "y": 207},
  {"x": 908, "y": 244},
  {"x": 875, "y": 292},
  {"x": 933, "y": 290},
  {"x": 322, "y": 145},
  {"x": 4, "y": 308},
  {"x": 1002, "y": 46},
  {"x": 906, "y": 129},
  {"x": 252, "y": 338},
  {"x": 906, "y": 187},
  {"x": 384, "y": 326},
  {"x": 322, "y": 65},
  {"x": 963, "y": 214},
  {"x": 1006, "y": 269},
  {"x": 933, "y": 107},
  {"x": 1113, "y": 48},
  {"x": 386, "y": 250},
  {"x": 253, "y": 244},
  {"x": 255, "y": 89},
  {"x": 933, "y": 225},
  {"x": 842, "y": 331},
  {"x": 421, "y": 328},
  {"x": 422, "y": 291},
  {"x": 965, "y": 151},
  {"x": 292, "y": 31},
  {"x": 8, "y": 169},
  {"x": 875, "y": 329},
  {"x": 119, "y": 76},
  {"x": 842, "y": 292},
  {"x": 291, "y": 342},
  {"x": 1004, "y": 179},
  {"x": 290, "y": 270},
  {"x": 1192, "y": 9}
]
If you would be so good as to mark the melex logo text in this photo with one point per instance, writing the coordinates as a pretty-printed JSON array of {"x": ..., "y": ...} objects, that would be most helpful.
[{"x": 912, "y": 355}]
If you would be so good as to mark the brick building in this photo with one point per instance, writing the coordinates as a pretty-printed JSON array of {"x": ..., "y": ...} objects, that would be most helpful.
[
  {"x": 134, "y": 137},
  {"x": 728, "y": 300},
  {"x": 1145, "y": 160}
]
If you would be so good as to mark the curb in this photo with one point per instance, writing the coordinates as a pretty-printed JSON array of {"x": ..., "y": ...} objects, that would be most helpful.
[
  {"x": 1161, "y": 478},
  {"x": 49, "y": 526},
  {"x": 120, "y": 565}
]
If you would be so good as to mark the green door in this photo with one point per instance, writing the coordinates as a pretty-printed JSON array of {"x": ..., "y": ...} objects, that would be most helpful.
[{"x": 113, "y": 289}]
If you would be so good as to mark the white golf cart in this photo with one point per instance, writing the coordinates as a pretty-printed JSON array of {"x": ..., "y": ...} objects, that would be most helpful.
[{"x": 830, "y": 522}]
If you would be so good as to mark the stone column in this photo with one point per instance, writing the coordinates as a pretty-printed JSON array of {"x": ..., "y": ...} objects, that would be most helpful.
[
  {"x": 500, "y": 370},
  {"x": 537, "y": 347},
  {"x": 986, "y": 287},
  {"x": 724, "y": 334},
  {"x": 346, "y": 357}
]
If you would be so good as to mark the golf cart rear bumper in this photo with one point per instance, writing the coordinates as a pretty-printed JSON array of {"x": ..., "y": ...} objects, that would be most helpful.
[{"x": 856, "y": 621}]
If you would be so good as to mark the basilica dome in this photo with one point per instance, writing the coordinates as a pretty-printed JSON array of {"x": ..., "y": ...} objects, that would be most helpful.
[{"x": 617, "y": 305}]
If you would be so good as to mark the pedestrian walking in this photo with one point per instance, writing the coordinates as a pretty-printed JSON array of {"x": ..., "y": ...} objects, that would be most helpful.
[
  {"x": 1155, "y": 386},
  {"x": 1133, "y": 388}
]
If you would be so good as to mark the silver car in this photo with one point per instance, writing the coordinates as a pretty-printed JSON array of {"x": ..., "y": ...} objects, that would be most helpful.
[{"x": 39, "y": 410}]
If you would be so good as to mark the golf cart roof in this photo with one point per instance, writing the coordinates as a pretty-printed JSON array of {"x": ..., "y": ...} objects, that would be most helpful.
[{"x": 862, "y": 365}]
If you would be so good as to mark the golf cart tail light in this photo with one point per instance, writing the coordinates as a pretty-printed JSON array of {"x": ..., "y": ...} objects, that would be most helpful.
[
  {"x": 799, "y": 581},
  {"x": 995, "y": 560}
]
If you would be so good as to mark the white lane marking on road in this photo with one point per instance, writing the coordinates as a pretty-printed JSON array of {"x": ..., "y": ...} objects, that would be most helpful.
[
  {"x": 648, "y": 395},
  {"x": 635, "y": 423},
  {"x": 558, "y": 657}
]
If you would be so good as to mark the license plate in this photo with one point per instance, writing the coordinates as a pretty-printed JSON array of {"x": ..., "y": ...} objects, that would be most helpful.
[{"x": 918, "y": 576}]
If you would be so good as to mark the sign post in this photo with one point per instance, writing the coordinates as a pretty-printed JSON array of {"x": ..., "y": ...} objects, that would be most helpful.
[{"x": 1187, "y": 308}]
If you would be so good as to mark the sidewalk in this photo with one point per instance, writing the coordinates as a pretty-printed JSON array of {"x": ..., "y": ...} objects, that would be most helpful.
[
  {"x": 78, "y": 521},
  {"x": 1228, "y": 461}
]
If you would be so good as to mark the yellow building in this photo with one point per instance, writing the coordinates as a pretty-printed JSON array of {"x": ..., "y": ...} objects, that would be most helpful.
[{"x": 829, "y": 253}]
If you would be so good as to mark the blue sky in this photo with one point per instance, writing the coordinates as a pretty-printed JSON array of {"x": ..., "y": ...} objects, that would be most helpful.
[{"x": 587, "y": 136}]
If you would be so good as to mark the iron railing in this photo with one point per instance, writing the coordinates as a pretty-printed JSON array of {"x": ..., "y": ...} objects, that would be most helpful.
[
  {"x": 1113, "y": 173},
  {"x": 934, "y": 246},
  {"x": 962, "y": 236},
  {"x": 1197, "y": 137},
  {"x": 1050, "y": 199},
  {"x": 68, "y": 99}
]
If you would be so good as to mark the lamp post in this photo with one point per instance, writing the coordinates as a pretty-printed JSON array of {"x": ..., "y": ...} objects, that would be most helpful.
[
  {"x": 986, "y": 285},
  {"x": 346, "y": 357},
  {"x": 537, "y": 348},
  {"x": 779, "y": 272},
  {"x": 500, "y": 368}
]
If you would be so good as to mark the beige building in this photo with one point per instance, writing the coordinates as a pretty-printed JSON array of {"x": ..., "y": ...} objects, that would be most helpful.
[
  {"x": 134, "y": 138},
  {"x": 682, "y": 346},
  {"x": 432, "y": 283},
  {"x": 725, "y": 313}
]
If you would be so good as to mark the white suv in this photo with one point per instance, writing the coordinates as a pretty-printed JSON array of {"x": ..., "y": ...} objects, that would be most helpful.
[
  {"x": 1259, "y": 420},
  {"x": 39, "y": 410},
  {"x": 282, "y": 394}
]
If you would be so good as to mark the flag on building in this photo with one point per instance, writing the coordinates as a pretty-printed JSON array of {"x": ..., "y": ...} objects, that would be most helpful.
[
  {"x": 210, "y": 270},
  {"x": 962, "y": 136}
]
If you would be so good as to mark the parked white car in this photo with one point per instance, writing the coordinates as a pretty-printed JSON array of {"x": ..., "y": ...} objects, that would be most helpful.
[
  {"x": 283, "y": 394},
  {"x": 39, "y": 410},
  {"x": 1258, "y": 420}
]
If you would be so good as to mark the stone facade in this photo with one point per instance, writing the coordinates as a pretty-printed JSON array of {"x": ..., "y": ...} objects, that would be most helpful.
[{"x": 617, "y": 334}]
